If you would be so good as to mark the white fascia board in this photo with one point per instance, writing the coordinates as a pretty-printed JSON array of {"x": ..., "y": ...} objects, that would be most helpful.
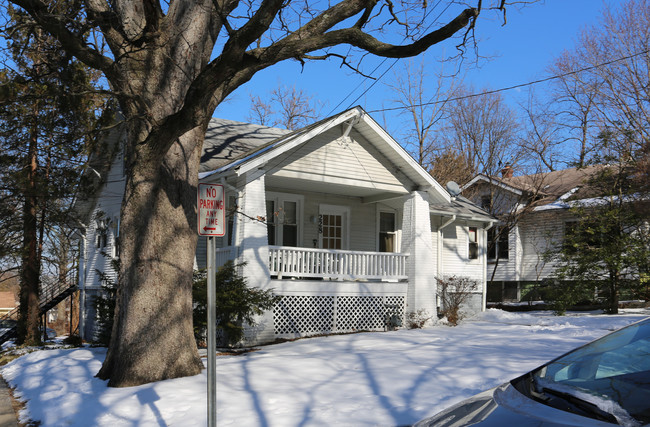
[
  {"x": 215, "y": 175},
  {"x": 259, "y": 158},
  {"x": 406, "y": 157},
  {"x": 491, "y": 181}
]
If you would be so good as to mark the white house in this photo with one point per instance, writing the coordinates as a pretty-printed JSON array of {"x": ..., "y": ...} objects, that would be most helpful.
[
  {"x": 353, "y": 228},
  {"x": 535, "y": 215}
]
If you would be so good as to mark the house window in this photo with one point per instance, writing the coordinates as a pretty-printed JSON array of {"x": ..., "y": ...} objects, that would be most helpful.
[
  {"x": 101, "y": 231},
  {"x": 289, "y": 211},
  {"x": 473, "y": 243},
  {"x": 283, "y": 219},
  {"x": 486, "y": 202},
  {"x": 231, "y": 211},
  {"x": 102, "y": 239},
  {"x": 387, "y": 234},
  {"x": 498, "y": 246}
]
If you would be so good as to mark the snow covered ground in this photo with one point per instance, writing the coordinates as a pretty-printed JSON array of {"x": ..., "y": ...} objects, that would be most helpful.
[{"x": 367, "y": 379}]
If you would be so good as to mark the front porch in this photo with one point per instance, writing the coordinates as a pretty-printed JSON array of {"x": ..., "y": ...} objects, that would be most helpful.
[
  {"x": 334, "y": 221},
  {"x": 326, "y": 291},
  {"x": 286, "y": 262},
  {"x": 331, "y": 264}
]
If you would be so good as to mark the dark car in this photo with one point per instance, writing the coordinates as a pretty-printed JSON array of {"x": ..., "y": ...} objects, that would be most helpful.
[{"x": 601, "y": 383}]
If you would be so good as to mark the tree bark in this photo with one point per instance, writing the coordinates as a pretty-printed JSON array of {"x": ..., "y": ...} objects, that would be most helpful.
[{"x": 153, "y": 335}]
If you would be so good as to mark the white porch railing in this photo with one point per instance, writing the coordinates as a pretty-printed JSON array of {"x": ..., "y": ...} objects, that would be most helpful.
[
  {"x": 223, "y": 255},
  {"x": 285, "y": 261}
]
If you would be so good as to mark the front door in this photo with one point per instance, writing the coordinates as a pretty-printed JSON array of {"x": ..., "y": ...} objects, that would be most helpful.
[{"x": 333, "y": 225}]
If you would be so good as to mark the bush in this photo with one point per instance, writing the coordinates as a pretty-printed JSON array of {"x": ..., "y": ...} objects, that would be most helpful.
[
  {"x": 104, "y": 305},
  {"x": 237, "y": 304},
  {"x": 417, "y": 320},
  {"x": 73, "y": 340},
  {"x": 454, "y": 291}
]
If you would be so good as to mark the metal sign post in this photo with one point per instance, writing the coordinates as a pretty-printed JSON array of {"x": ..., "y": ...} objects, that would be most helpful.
[
  {"x": 212, "y": 337},
  {"x": 211, "y": 221}
]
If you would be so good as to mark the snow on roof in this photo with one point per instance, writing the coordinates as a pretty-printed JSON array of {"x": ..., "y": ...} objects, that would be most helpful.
[{"x": 551, "y": 190}]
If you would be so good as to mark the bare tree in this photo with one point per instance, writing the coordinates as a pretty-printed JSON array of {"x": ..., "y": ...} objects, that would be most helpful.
[
  {"x": 604, "y": 80},
  {"x": 575, "y": 100},
  {"x": 287, "y": 107},
  {"x": 542, "y": 140},
  {"x": 170, "y": 65},
  {"x": 424, "y": 108},
  {"x": 484, "y": 129}
]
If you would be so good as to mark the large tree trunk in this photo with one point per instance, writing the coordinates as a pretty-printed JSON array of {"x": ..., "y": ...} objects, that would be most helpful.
[{"x": 153, "y": 335}]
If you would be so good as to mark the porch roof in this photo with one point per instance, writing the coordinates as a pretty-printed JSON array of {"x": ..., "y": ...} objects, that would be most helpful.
[{"x": 462, "y": 208}]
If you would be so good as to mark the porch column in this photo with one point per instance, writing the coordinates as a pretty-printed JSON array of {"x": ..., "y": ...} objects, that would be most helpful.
[
  {"x": 417, "y": 241},
  {"x": 251, "y": 237}
]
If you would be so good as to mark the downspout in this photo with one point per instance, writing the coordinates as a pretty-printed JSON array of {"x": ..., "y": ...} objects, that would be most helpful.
[{"x": 485, "y": 230}]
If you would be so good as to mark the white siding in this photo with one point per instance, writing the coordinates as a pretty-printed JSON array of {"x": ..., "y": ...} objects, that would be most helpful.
[
  {"x": 455, "y": 252},
  {"x": 539, "y": 231},
  {"x": 108, "y": 206},
  {"x": 327, "y": 158}
]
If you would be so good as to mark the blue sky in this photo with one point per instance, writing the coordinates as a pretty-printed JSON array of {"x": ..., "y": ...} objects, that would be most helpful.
[{"x": 521, "y": 51}]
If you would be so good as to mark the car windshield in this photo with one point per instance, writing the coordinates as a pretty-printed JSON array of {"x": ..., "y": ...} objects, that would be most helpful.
[{"x": 611, "y": 374}]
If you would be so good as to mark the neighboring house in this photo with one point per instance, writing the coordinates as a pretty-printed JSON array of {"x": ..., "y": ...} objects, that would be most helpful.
[
  {"x": 7, "y": 302},
  {"x": 352, "y": 231},
  {"x": 534, "y": 215}
]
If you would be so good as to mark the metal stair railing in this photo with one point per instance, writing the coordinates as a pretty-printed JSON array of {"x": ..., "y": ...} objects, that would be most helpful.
[{"x": 50, "y": 295}]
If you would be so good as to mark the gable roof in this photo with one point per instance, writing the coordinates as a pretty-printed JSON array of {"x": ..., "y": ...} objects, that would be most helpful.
[
  {"x": 547, "y": 188},
  {"x": 266, "y": 148},
  {"x": 227, "y": 141}
]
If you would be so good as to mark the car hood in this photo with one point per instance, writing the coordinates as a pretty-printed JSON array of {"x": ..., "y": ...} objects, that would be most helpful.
[{"x": 503, "y": 406}]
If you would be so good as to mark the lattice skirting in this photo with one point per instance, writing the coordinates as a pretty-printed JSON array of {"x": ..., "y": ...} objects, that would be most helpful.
[{"x": 304, "y": 315}]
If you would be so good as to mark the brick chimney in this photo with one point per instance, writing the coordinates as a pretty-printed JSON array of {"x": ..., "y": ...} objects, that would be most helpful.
[{"x": 507, "y": 171}]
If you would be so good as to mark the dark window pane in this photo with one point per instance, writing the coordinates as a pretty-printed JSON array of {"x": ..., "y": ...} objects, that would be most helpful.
[
  {"x": 473, "y": 250},
  {"x": 290, "y": 235},
  {"x": 270, "y": 221},
  {"x": 473, "y": 243},
  {"x": 503, "y": 245},
  {"x": 386, "y": 221},
  {"x": 492, "y": 244},
  {"x": 386, "y": 242}
]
